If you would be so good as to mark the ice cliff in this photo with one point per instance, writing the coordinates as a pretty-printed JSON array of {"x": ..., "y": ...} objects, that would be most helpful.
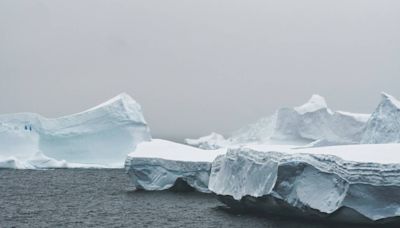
[
  {"x": 343, "y": 183},
  {"x": 100, "y": 136},
  {"x": 349, "y": 183},
  {"x": 161, "y": 164}
]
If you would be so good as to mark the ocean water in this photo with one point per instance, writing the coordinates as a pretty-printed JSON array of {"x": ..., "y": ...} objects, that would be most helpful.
[{"x": 105, "y": 198}]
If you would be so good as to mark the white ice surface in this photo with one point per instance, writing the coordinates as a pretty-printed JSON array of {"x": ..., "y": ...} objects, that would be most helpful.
[
  {"x": 315, "y": 103},
  {"x": 159, "y": 148},
  {"x": 379, "y": 153}
]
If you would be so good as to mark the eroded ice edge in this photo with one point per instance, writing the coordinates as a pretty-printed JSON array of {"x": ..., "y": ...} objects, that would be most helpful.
[
  {"x": 159, "y": 164},
  {"x": 345, "y": 183},
  {"x": 356, "y": 183},
  {"x": 96, "y": 138}
]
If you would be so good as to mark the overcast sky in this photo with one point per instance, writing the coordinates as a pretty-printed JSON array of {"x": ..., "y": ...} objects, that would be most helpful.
[{"x": 197, "y": 66}]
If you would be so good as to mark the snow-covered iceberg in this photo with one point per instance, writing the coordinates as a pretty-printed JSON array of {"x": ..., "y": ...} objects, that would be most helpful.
[
  {"x": 312, "y": 122},
  {"x": 161, "y": 164},
  {"x": 100, "y": 136},
  {"x": 384, "y": 124},
  {"x": 354, "y": 183}
]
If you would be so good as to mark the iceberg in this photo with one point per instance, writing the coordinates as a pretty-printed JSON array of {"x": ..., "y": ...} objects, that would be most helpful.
[
  {"x": 161, "y": 164},
  {"x": 305, "y": 124},
  {"x": 312, "y": 124},
  {"x": 98, "y": 137},
  {"x": 339, "y": 183},
  {"x": 384, "y": 124}
]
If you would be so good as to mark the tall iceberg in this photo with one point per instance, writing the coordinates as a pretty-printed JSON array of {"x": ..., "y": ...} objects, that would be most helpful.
[
  {"x": 384, "y": 124},
  {"x": 102, "y": 135}
]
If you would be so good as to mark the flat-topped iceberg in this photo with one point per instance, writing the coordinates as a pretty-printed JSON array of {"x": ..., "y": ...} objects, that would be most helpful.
[
  {"x": 356, "y": 183},
  {"x": 161, "y": 164},
  {"x": 98, "y": 137}
]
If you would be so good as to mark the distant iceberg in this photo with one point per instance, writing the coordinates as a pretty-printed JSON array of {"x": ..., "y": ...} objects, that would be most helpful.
[
  {"x": 209, "y": 142},
  {"x": 99, "y": 137},
  {"x": 313, "y": 125},
  {"x": 302, "y": 125}
]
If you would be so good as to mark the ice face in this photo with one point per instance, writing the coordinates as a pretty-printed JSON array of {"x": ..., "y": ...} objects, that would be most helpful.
[
  {"x": 102, "y": 135},
  {"x": 161, "y": 174},
  {"x": 384, "y": 124},
  {"x": 161, "y": 164},
  {"x": 311, "y": 183},
  {"x": 346, "y": 183}
]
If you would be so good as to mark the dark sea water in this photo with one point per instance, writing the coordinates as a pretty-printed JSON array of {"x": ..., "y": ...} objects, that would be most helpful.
[{"x": 104, "y": 198}]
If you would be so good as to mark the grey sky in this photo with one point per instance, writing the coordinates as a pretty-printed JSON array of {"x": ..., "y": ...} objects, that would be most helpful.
[{"x": 197, "y": 66}]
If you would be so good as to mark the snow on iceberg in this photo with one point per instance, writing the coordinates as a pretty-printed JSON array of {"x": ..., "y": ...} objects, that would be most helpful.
[
  {"x": 161, "y": 164},
  {"x": 308, "y": 123},
  {"x": 384, "y": 124},
  {"x": 209, "y": 142},
  {"x": 98, "y": 137},
  {"x": 344, "y": 183}
]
